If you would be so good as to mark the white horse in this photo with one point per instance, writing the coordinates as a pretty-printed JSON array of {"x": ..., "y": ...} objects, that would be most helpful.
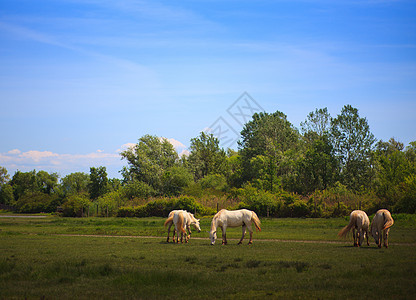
[
  {"x": 380, "y": 227},
  {"x": 358, "y": 221},
  {"x": 225, "y": 218},
  {"x": 187, "y": 219}
]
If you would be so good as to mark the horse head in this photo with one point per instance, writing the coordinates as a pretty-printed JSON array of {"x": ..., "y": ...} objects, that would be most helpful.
[
  {"x": 195, "y": 223},
  {"x": 213, "y": 237}
]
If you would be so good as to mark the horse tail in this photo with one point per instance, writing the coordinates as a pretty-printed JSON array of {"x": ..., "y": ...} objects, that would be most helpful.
[
  {"x": 343, "y": 232},
  {"x": 388, "y": 220},
  {"x": 168, "y": 220},
  {"x": 180, "y": 223},
  {"x": 256, "y": 220}
]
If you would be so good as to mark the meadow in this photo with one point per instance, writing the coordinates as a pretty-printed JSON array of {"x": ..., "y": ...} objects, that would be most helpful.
[{"x": 107, "y": 258}]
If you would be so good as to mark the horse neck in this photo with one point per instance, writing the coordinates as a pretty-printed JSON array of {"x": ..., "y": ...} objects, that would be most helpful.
[{"x": 214, "y": 225}]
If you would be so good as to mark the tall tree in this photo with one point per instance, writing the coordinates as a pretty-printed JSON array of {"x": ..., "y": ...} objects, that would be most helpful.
[
  {"x": 24, "y": 182},
  {"x": 148, "y": 161},
  {"x": 206, "y": 156},
  {"x": 317, "y": 124},
  {"x": 98, "y": 182},
  {"x": 353, "y": 143},
  {"x": 75, "y": 183},
  {"x": 47, "y": 182},
  {"x": 318, "y": 169},
  {"x": 4, "y": 176},
  {"x": 270, "y": 139}
]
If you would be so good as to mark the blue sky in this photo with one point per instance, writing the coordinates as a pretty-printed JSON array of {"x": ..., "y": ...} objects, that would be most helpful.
[{"x": 81, "y": 80}]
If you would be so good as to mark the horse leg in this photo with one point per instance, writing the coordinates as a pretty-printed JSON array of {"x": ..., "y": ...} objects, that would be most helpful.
[
  {"x": 251, "y": 234},
  {"x": 174, "y": 235},
  {"x": 386, "y": 236},
  {"x": 379, "y": 238},
  {"x": 355, "y": 237},
  {"x": 360, "y": 237},
  {"x": 169, "y": 232},
  {"x": 224, "y": 235},
  {"x": 244, "y": 232},
  {"x": 366, "y": 235},
  {"x": 189, "y": 233}
]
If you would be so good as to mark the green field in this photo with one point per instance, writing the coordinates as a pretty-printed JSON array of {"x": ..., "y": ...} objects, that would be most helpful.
[{"x": 290, "y": 258}]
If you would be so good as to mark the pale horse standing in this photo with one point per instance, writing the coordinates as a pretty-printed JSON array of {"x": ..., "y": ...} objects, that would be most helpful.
[
  {"x": 380, "y": 227},
  {"x": 182, "y": 220},
  {"x": 359, "y": 223},
  {"x": 225, "y": 218}
]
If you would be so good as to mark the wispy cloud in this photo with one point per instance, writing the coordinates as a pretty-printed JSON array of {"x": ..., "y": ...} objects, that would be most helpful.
[
  {"x": 56, "y": 162},
  {"x": 65, "y": 163}
]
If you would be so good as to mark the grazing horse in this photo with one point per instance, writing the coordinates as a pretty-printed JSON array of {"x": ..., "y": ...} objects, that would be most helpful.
[
  {"x": 188, "y": 220},
  {"x": 380, "y": 227},
  {"x": 169, "y": 221},
  {"x": 358, "y": 221},
  {"x": 225, "y": 218}
]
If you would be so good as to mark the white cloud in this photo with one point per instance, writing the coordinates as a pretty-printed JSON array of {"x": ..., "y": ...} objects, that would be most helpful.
[
  {"x": 126, "y": 147},
  {"x": 66, "y": 163},
  {"x": 176, "y": 144},
  {"x": 37, "y": 156},
  {"x": 55, "y": 162},
  {"x": 14, "y": 151}
]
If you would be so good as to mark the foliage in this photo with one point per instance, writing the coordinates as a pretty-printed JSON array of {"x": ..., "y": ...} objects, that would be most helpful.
[
  {"x": 206, "y": 157},
  {"x": 98, "y": 183},
  {"x": 75, "y": 183},
  {"x": 353, "y": 143},
  {"x": 36, "y": 202},
  {"x": 266, "y": 142},
  {"x": 327, "y": 170},
  {"x": 6, "y": 195},
  {"x": 75, "y": 205},
  {"x": 149, "y": 160},
  {"x": 162, "y": 207}
]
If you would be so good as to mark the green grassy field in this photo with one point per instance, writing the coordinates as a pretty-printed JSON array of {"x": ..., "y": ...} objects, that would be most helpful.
[{"x": 45, "y": 258}]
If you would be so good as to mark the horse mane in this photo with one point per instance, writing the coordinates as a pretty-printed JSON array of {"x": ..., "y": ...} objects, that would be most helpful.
[{"x": 215, "y": 218}]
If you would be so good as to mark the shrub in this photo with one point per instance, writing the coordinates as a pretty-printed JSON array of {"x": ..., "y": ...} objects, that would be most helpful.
[
  {"x": 75, "y": 205},
  {"x": 162, "y": 207},
  {"x": 37, "y": 202}
]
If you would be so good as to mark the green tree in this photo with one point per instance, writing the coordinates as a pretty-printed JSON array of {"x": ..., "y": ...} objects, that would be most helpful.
[
  {"x": 24, "y": 182},
  {"x": 47, "y": 182},
  {"x": 6, "y": 191},
  {"x": 206, "y": 156},
  {"x": 6, "y": 195},
  {"x": 4, "y": 176},
  {"x": 318, "y": 168},
  {"x": 148, "y": 161},
  {"x": 75, "y": 183},
  {"x": 394, "y": 167},
  {"x": 98, "y": 182},
  {"x": 353, "y": 144},
  {"x": 317, "y": 124},
  {"x": 272, "y": 137},
  {"x": 175, "y": 180}
]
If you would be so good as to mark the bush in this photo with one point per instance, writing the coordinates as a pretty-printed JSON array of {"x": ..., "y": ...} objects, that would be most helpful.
[
  {"x": 75, "y": 205},
  {"x": 162, "y": 207},
  {"x": 407, "y": 201},
  {"x": 37, "y": 202}
]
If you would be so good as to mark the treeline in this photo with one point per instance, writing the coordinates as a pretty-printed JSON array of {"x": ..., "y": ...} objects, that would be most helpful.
[{"x": 327, "y": 167}]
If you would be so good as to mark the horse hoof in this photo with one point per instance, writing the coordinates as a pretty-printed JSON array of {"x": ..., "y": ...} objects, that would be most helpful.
[
  {"x": 250, "y": 243},
  {"x": 239, "y": 243}
]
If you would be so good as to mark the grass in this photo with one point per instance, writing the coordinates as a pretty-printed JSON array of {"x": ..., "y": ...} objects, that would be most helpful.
[{"x": 36, "y": 263}]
